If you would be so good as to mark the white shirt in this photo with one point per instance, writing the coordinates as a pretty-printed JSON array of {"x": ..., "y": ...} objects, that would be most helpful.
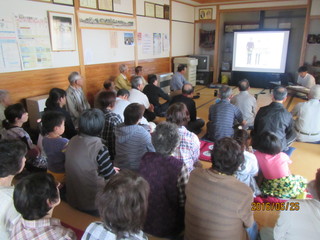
[
  {"x": 308, "y": 120},
  {"x": 137, "y": 96},
  {"x": 299, "y": 224},
  {"x": 308, "y": 81}
]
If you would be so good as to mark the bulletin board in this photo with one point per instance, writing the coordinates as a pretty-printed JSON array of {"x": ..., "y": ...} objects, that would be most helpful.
[
  {"x": 25, "y": 37},
  {"x": 153, "y": 42}
]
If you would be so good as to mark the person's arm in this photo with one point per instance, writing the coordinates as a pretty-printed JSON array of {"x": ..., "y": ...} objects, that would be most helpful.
[
  {"x": 193, "y": 111},
  {"x": 238, "y": 116},
  {"x": 311, "y": 81},
  {"x": 282, "y": 226},
  {"x": 163, "y": 95},
  {"x": 295, "y": 110},
  {"x": 196, "y": 148},
  {"x": 244, "y": 210},
  {"x": 181, "y": 184},
  {"x": 105, "y": 166},
  {"x": 71, "y": 106}
]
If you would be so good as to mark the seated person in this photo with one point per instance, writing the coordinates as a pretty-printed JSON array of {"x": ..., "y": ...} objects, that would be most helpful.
[
  {"x": 139, "y": 72},
  {"x": 195, "y": 124},
  {"x": 305, "y": 79},
  {"x": 123, "y": 208},
  {"x": 108, "y": 86},
  {"x": 53, "y": 144},
  {"x": 35, "y": 197},
  {"x": 56, "y": 102},
  {"x": 12, "y": 155},
  {"x": 106, "y": 102},
  {"x": 76, "y": 100},
  {"x": 178, "y": 80},
  {"x": 274, "y": 166},
  {"x": 121, "y": 81},
  {"x": 88, "y": 163},
  {"x": 16, "y": 116},
  {"x": 132, "y": 140},
  {"x": 307, "y": 115},
  {"x": 4, "y": 102},
  {"x": 249, "y": 168},
  {"x": 153, "y": 93},
  {"x": 189, "y": 148},
  {"x": 167, "y": 177},
  {"x": 218, "y": 206}
]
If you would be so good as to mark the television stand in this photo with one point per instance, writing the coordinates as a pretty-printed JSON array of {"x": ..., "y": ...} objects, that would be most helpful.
[{"x": 204, "y": 78}]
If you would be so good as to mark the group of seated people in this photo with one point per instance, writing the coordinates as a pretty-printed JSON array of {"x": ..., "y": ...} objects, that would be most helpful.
[{"x": 112, "y": 161}]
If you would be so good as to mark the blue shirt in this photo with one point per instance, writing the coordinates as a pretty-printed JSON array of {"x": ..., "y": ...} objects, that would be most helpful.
[{"x": 177, "y": 82}]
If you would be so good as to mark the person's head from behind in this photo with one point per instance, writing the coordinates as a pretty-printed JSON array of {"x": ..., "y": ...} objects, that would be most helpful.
[
  {"x": 133, "y": 113},
  {"x": 188, "y": 90},
  {"x": 138, "y": 70},
  {"x": 225, "y": 92},
  {"x": 137, "y": 83},
  {"x": 106, "y": 100},
  {"x": 15, "y": 114},
  {"x": 123, "y": 94},
  {"x": 75, "y": 79},
  {"x": 57, "y": 98},
  {"x": 123, "y": 202},
  {"x": 53, "y": 122},
  {"x": 12, "y": 157},
  {"x": 152, "y": 79},
  {"x": 244, "y": 85},
  {"x": 35, "y": 195},
  {"x": 303, "y": 70},
  {"x": 108, "y": 85},
  {"x": 268, "y": 143},
  {"x": 226, "y": 156},
  {"x": 279, "y": 93},
  {"x": 178, "y": 113},
  {"x": 165, "y": 138},
  {"x": 91, "y": 122},
  {"x": 123, "y": 68},
  {"x": 314, "y": 92},
  {"x": 4, "y": 98},
  {"x": 242, "y": 137},
  {"x": 182, "y": 68}
]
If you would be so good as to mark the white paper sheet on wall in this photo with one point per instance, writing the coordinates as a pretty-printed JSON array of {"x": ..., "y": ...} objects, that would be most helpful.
[{"x": 146, "y": 43}]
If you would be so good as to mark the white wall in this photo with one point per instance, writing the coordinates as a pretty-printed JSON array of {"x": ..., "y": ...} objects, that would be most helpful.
[{"x": 315, "y": 8}]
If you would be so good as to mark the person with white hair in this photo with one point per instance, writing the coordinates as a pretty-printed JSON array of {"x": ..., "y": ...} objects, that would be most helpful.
[
  {"x": 4, "y": 102},
  {"x": 121, "y": 81},
  {"x": 307, "y": 124},
  {"x": 76, "y": 100}
]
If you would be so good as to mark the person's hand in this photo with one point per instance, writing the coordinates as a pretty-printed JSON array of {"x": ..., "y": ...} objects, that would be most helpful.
[
  {"x": 116, "y": 169},
  {"x": 151, "y": 108}
]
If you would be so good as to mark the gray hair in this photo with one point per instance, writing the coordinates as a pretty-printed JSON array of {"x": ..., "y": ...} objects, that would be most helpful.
[
  {"x": 122, "y": 67},
  {"x": 279, "y": 93},
  {"x": 3, "y": 95},
  {"x": 73, "y": 77},
  {"x": 166, "y": 138},
  {"x": 314, "y": 92},
  {"x": 225, "y": 92},
  {"x": 136, "y": 81}
]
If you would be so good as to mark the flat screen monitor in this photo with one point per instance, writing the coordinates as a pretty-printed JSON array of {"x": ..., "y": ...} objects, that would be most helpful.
[
  {"x": 260, "y": 51},
  {"x": 203, "y": 62}
]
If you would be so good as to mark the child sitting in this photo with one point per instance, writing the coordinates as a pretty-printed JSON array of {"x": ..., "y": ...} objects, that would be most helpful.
[
  {"x": 123, "y": 208},
  {"x": 249, "y": 168},
  {"x": 35, "y": 197},
  {"x": 53, "y": 144},
  {"x": 274, "y": 165}
]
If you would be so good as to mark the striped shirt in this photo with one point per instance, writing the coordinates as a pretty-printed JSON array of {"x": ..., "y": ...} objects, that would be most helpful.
[
  {"x": 41, "y": 229},
  {"x": 105, "y": 166},
  {"x": 222, "y": 117},
  {"x": 218, "y": 207}
]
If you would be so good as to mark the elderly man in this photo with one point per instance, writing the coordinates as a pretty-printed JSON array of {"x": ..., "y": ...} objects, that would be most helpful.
[
  {"x": 121, "y": 81},
  {"x": 137, "y": 96},
  {"x": 246, "y": 103},
  {"x": 275, "y": 118},
  {"x": 305, "y": 79},
  {"x": 178, "y": 80},
  {"x": 307, "y": 124},
  {"x": 195, "y": 124},
  {"x": 76, "y": 100},
  {"x": 218, "y": 205},
  {"x": 222, "y": 116}
]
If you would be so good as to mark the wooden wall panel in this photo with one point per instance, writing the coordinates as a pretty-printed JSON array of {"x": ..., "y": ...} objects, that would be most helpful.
[{"x": 26, "y": 84}]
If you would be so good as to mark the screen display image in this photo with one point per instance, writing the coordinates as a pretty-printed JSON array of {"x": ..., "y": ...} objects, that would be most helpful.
[{"x": 260, "y": 51}]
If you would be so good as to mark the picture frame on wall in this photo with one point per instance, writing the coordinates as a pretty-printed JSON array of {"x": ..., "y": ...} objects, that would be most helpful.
[
  {"x": 159, "y": 11},
  {"x": 62, "y": 31},
  {"x": 149, "y": 9},
  {"x": 89, "y": 4},
  {"x": 166, "y": 11},
  {"x": 205, "y": 13},
  {"x": 64, "y": 2},
  {"x": 106, "y": 5}
]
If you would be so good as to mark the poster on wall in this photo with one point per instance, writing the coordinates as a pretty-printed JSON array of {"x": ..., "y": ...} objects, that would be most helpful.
[
  {"x": 146, "y": 43},
  {"x": 34, "y": 41},
  {"x": 62, "y": 31},
  {"x": 165, "y": 42},
  {"x": 9, "y": 50},
  {"x": 128, "y": 39},
  {"x": 156, "y": 44}
]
